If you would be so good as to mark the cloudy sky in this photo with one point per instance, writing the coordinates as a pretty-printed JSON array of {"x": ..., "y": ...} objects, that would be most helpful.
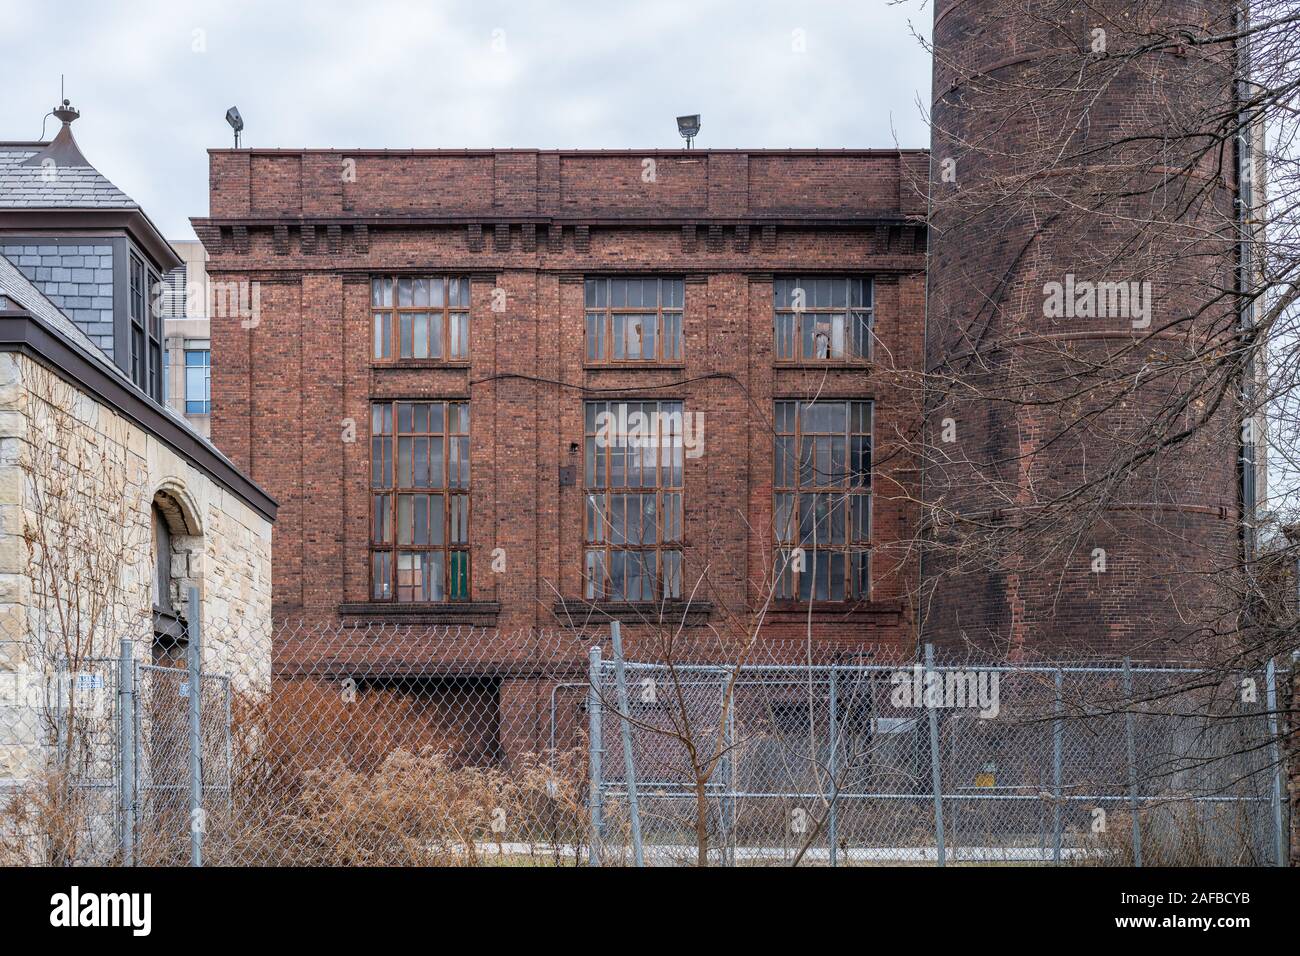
[{"x": 153, "y": 80}]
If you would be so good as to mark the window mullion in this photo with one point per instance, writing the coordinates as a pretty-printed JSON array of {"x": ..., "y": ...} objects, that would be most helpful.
[
  {"x": 394, "y": 354},
  {"x": 659, "y": 319}
]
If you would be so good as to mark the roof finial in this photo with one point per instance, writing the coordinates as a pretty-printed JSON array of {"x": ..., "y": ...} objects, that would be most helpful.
[{"x": 66, "y": 112}]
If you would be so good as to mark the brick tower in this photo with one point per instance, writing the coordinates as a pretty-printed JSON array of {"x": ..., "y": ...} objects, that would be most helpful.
[{"x": 1084, "y": 455}]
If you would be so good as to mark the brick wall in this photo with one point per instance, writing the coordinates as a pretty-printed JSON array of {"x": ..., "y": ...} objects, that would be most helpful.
[
  {"x": 311, "y": 227},
  {"x": 1039, "y": 414}
]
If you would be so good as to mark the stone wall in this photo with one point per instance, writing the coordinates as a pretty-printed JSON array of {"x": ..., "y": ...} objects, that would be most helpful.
[{"x": 77, "y": 484}]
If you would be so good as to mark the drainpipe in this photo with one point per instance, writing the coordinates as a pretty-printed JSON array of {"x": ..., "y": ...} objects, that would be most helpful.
[{"x": 1245, "y": 205}]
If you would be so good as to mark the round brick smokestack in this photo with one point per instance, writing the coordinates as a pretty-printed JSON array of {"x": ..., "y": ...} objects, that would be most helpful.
[{"x": 1081, "y": 271}]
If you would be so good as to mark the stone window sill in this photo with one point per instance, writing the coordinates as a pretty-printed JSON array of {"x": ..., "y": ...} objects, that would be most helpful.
[
  {"x": 579, "y": 611},
  {"x": 845, "y": 366},
  {"x": 482, "y": 613},
  {"x": 634, "y": 367},
  {"x": 422, "y": 363},
  {"x": 785, "y": 611}
]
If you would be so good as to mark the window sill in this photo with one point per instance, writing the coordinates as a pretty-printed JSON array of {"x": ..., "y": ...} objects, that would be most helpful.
[
  {"x": 459, "y": 612},
  {"x": 786, "y": 611},
  {"x": 582, "y": 612},
  {"x": 848, "y": 365},
  {"x": 422, "y": 363},
  {"x": 633, "y": 367}
]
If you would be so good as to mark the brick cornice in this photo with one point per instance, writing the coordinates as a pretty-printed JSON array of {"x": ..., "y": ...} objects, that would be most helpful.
[
  {"x": 885, "y": 268},
  {"x": 790, "y": 218}
]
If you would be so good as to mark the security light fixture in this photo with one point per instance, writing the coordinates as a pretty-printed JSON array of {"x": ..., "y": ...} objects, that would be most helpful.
[
  {"x": 689, "y": 127},
  {"x": 236, "y": 122}
]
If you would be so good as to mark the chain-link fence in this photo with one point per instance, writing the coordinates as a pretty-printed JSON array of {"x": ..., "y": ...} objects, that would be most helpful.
[
  {"x": 856, "y": 763},
  {"x": 368, "y": 744},
  {"x": 60, "y": 751}
]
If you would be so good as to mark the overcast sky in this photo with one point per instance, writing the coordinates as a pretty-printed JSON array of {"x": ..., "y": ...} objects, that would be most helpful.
[{"x": 153, "y": 80}]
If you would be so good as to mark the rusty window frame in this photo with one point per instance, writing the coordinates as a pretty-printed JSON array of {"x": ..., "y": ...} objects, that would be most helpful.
[
  {"x": 385, "y": 296},
  {"x": 667, "y": 489},
  {"x": 600, "y": 315},
  {"x": 797, "y": 476},
  {"x": 788, "y": 341},
  {"x": 388, "y": 485}
]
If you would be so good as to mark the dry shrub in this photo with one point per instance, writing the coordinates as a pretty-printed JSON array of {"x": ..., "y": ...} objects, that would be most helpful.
[
  {"x": 1176, "y": 833},
  {"x": 415, "y": 809},
  {"x": 48, "y": 822},
  {"x": 420, "y": 810},
  {"x": 311, "y": 722},
  {"x": 332, "y": 796}
]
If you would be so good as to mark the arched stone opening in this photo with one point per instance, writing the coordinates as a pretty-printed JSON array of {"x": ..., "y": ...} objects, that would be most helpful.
[{"x": 177, "y": 567}]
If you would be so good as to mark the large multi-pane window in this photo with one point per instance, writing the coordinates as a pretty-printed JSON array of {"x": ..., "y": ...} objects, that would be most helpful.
[
  {"x": 420, "y": 318},
  {"x": 634, "y": 320},
  {"x": 822, "y": 319},
  {"x": 419, "y": 527},
  {"x": 822, "y": 500},
  {"x": 632, "y": 522}
]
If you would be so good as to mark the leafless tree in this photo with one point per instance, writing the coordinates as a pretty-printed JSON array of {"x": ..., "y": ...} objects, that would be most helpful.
[{"x": 1119, "y": 360}]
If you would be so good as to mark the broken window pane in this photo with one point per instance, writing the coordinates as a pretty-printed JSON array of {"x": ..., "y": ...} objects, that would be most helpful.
[
  {"x": 419, "y": 523},
  {"x": 829, "y": 490}
]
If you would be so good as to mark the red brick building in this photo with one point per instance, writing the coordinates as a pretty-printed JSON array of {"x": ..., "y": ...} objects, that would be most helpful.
[
  {"x": 433, "y": 330},
  {"x": 1042, "y": 399}
]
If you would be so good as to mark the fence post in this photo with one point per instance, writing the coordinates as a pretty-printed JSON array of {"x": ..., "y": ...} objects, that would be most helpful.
[
  {"x": 1132, "y": 762},
  {"x": 228, "y": 733},
  {"x": 832, "y": 822},
  {"x": 1057, "y": 732},
  {"x": 629, "y": 766},
  {"x": 1279, "y": 835},
  {"x": 732, "y": 785},
  {"x": 126, "y": 748},
  {"x": 593, "y": 752},
  {"x": 197, "y": 822},
  {"x": 936, "y": 777}
]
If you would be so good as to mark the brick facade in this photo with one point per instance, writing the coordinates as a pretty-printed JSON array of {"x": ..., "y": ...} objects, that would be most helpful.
[
  {"x": 311, "y": 228},
  {"x": 1012, "y": 220}
]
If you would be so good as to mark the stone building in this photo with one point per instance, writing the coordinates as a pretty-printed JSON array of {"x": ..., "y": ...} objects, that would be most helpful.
[{"x": 111, "y": 506}]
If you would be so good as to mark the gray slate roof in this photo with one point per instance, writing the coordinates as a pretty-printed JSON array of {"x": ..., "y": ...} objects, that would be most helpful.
[
  {"x": 68, "y": 187},
  {"x": 19, "y": 289}
]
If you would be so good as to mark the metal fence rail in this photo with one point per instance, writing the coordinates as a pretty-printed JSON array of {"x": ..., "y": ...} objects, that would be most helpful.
[
  {"x": 826, "y": 764},
  {"x": 392, "y": 745}
]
